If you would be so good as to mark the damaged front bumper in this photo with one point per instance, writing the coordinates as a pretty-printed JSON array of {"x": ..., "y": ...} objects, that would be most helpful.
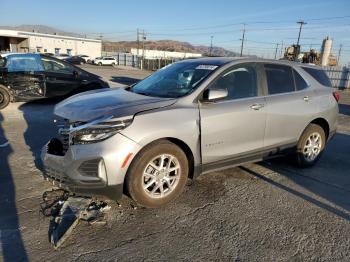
[{"x": 90, "y": 169}]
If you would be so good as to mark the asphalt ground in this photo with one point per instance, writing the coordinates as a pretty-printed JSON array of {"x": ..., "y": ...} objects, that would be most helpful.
[{"x": 268, "y": 211}]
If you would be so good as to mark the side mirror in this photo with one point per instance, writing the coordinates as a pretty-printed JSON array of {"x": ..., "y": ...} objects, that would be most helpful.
[{"x": 214, "y": 94}]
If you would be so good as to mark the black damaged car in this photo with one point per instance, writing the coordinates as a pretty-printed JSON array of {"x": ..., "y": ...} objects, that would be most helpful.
[{"x": 25, "y": 77}]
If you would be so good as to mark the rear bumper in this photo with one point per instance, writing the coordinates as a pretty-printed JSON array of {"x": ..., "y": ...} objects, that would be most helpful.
[{"x": 91, "y": 169}]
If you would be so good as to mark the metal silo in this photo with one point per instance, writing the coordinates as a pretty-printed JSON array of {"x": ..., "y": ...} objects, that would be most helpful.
[{"x": 326, "y": 51}]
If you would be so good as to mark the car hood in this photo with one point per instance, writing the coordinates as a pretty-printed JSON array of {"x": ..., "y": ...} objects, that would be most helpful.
[{"x": 118, "y": 102}]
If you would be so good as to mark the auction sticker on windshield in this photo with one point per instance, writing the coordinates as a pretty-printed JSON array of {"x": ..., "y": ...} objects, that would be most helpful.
[{"x": 207, "y": 67}]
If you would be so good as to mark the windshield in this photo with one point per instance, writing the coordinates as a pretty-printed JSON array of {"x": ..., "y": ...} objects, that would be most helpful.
[{"x": 175, "y": 80}]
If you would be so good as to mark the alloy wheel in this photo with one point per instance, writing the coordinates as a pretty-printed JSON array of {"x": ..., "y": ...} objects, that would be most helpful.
[
  {"x": 161, "y": 176},
  {"x": 312, "y": 147}
]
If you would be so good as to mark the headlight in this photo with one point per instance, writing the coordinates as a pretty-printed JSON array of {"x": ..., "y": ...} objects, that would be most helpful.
[{"x": 94, "y": 132}]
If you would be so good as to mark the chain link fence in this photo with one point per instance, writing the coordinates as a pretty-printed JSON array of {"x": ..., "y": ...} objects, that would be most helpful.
[
  {"x": 127, "y": 59},
  {"x": 339, "y": 75}
]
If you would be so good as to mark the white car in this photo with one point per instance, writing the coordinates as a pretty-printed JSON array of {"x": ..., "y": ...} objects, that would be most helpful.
[{"x": 106, "y": 60}]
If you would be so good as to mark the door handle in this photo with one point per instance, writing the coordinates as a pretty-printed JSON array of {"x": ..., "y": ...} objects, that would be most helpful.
[
  {"x": 50, "y": 78},
  {"x": 306, "y": 98},
  {"x": 256, "y": 106}
]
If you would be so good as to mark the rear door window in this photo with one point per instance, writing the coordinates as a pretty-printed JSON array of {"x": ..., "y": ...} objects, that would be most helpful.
[
  {"x": 319, "y": 75},
  {"x": 279, "y": 79},
  {"x": 24, "y": 63},
  {"x": 300, "y": 83}
]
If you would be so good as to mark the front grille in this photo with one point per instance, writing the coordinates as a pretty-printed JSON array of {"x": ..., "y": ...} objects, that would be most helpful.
[
  {"x": 54, "y": 175},
  {"x": 64, "y": 132}
]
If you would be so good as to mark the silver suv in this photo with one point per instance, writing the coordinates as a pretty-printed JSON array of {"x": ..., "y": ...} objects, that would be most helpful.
[{"x": 188, "y": 118}]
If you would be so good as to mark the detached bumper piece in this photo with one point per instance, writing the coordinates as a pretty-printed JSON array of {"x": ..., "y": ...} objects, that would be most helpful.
[{"x": 67, "y": 211}]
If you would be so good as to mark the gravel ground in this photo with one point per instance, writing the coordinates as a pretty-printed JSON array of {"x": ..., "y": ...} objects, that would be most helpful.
[{"x": 269, "y": 211}]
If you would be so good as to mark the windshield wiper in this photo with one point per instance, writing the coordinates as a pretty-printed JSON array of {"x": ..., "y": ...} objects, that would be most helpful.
[{"x": 143, "y": 93}]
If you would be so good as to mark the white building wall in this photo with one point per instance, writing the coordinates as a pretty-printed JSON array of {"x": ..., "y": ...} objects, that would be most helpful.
[
  {"x": 153, "y": 54},
  {"x": 77, "y": 47},
  {"x": 47, "y": 43}
]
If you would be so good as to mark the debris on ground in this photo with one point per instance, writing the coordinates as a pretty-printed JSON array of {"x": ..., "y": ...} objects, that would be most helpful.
[{"x": 67, "y": 210}]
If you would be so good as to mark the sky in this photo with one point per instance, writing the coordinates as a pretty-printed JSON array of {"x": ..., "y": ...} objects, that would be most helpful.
[{"x": 267, "y": 22}]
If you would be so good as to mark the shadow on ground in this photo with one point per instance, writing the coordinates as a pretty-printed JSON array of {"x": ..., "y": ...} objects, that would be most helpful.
[
  {"x": 328, "y": 179},
  {"x": 344, "y": 109},
  {"x": 11, "y": 242},
  {"x": 40, "y": 125}
]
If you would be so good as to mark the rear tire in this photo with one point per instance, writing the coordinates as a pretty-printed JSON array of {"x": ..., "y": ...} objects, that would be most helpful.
[
  {"x": 157, "y": 175},
  {"x": 310, "y": 146},
  {"x": 5, "y": 97}
]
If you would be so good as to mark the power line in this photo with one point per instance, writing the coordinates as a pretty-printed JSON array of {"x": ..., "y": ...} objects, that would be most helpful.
[
  {"x": 261, "y": 42},
  {"x": 254, "y": 22}
]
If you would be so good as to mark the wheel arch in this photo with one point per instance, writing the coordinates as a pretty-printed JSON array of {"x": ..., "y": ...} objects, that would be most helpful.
[
  {"x": 181, "y": 144},
  {"x": 322, "y": 123},
  {"x": 8, "y": 91}
]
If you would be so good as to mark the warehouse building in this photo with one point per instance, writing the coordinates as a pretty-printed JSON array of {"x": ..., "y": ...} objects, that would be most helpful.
[{"x": 20, "y": 41}]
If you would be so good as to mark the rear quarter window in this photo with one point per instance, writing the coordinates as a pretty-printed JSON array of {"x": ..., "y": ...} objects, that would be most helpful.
[
  {"x": 300, "y": 83},
  {"x": 319, "y": 75}
]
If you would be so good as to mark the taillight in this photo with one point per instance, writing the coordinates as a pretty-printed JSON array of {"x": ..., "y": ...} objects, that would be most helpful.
[{"x": 336, "y": 96}]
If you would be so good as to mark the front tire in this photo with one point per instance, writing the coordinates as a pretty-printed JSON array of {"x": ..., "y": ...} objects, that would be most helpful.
[
  {"x": 157, "y": 175},
  {"x": 5, "y": 97},
  {"x": 100, "y": 64},
  {"x": 310, "y": 146}
]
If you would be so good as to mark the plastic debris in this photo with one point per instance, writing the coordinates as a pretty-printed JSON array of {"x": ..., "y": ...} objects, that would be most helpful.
[{"x": 66, "y": 211}]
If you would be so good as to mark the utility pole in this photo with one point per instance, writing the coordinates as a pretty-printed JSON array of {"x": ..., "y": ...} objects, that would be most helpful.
[
  {"x": 211, "y": 45},
  {"x": 138, "y": 41},
  {"x": 243, "y": 35},
  {"x": 339, "y": 53},
  {"x": 298, "y": 47},
  {"x": 276, "y": 51},
  {"x": 301, "y": 26},
  {"x": 143, "y": 47},
  {"x": 281, "y": 55},
  {"x": 101, "y": 36}
]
